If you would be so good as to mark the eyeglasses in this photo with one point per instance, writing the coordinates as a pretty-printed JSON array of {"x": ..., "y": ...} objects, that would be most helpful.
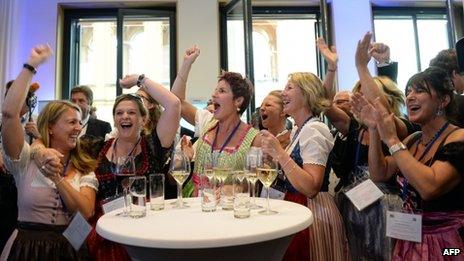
[{"x": 131, "y": 96}]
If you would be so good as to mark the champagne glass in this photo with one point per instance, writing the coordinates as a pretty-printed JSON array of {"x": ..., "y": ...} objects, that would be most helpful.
[
  {"x": 124, "y": 168},
  {"x": 221, "y": 170},
  {"x": 251, "y": 161},
  {"x": 179, "y": 170},
  {"x": 267, "y": 170}
]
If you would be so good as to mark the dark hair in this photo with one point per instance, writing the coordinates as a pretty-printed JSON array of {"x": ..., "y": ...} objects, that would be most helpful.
[
  {"x": 437, "y": 79},
  {"x": 446, "y": 60},
  {"x": 240, "y": 86},
  {"x": 85, "y": 90}
]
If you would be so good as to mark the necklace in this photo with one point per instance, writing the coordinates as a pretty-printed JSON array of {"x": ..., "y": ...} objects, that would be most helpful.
[
  {"x": 436, "y": 135},
  {"x": 63, "y": 174}
]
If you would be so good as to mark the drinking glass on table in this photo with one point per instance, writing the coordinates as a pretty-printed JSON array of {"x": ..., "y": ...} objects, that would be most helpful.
[
  {"x": 138, "y": 196},
  {"x": 267, "y": 170},
  {"x": 124, "y": 168},
  {"x": 179, "y": 170},
  {"x": 251, "y": 161},
  {"x": 222, "y": 170}
]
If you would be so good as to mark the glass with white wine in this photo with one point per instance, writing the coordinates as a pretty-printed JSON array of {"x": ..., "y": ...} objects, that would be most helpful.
[
  {"x": 267, "y": 170},
  {"x": 179, "y": 170},
  {"x": 222, "y": 170}
]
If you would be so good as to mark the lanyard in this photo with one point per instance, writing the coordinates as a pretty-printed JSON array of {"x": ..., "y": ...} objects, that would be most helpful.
[
  {"x": 228, "y": 137},
  {"x": 298, "y": 131},
  {"x": 437, "y": 135},
  {"x": 129, "y": 154}
]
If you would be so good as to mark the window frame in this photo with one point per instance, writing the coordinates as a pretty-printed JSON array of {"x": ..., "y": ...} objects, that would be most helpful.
[
  {"x": 70, "y": 63},
  {"x": 412, "y": 13}
]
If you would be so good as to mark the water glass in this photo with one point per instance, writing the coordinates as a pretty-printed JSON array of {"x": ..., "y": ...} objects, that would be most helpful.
[
  {"x": 138, "y": 192},
  {"x": 242, "y": 202},
  {"x": 156, "y": 191},
  {"x": 208, "y": 193}
]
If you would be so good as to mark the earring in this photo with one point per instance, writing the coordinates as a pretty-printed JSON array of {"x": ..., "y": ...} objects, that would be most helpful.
[
  {"x": 439, "y": 112},
  {"x": 238, "y": 109}
]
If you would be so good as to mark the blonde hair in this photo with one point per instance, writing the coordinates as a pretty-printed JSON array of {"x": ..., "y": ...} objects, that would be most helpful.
[
  {"x": 49, "y": 115},
  {"x": 394, "y": 96},
  {"x": 313, "y": 91}
]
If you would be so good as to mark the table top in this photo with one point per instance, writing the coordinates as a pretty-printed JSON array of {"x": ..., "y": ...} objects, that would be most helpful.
[{"x": 191, "y": 228}]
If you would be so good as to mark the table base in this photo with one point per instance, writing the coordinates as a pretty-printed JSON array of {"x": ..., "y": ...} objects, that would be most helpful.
[{"x": 268, "y": 250}]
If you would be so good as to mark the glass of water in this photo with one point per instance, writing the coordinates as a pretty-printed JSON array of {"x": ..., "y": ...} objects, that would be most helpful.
[
  {"x": 138, "y": 200},
  {"x": 156, "y": 191}
]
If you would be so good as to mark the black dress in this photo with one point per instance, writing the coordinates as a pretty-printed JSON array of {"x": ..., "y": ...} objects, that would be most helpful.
[{"x": 152, "y": 159}]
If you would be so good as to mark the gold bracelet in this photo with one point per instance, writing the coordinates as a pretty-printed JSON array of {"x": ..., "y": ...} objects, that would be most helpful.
[{"x": 285, "y": 164}]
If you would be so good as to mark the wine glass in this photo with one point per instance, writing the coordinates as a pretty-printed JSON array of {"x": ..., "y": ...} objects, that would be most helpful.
[
  {"x": 251, "y": 161},
  {"x": 267, "y": 169},
  {"x": 124, "y": 168},
  {"x": 179, "y": 170},
  {"x": 221, "y": 171}
]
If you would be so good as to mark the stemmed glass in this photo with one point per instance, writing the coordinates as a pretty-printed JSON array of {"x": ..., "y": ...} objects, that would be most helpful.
[
  {"x": 267, "y": 170},
  {"x": 125, "y": 168},
  {"x": 179, "y": 170},
  {"x": 221, "y": 171},
  {"x": 251, "y": 161}
]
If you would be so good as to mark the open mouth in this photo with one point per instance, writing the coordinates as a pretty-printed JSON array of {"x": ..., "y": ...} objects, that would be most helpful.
[
  {"x": 414, "y": 108},
  {"x": 126, "y": 125},
  {"x": 216, "y": 106},
  {"x": 264, "y": 117}
]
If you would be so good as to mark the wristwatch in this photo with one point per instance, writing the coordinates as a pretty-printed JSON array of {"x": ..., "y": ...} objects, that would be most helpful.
[
  {"x": 140, "y": 80},
  {"x": 396, "y": 147}
]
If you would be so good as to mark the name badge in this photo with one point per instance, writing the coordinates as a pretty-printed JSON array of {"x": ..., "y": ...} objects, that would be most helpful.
[
  {"x": 273, "y": 193},
  {"x": 364, "y": 194},
  {"x": 404, "y": 226},
  {"x": 77, "y": 231},
  {"x": 113, "y": 205}
]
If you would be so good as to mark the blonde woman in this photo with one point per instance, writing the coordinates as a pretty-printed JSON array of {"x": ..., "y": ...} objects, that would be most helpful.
[
  {"x": 49, "y": 194},
  {"x": 303, "y": 162}
]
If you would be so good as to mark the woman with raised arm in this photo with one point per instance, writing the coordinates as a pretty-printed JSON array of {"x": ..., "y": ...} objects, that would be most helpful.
[
  {"x": 348, "y": 158},
  {"x": 303, "y": 162},
  {"x": 221, "y": 131},
  {"x": 150, "y": 150},
  {"x": 427, "y": 165},
  {"x": 49, "y": 195}
]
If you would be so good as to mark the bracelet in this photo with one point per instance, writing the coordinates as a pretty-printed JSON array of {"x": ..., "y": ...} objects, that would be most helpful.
[
  {"x": 182, "y": 78},
  {"x": 141, "y": 80},
  {"x": 285, "y": 164},
  {"x": 29, "y": 67},
  {"x": 294, "y": 166}
]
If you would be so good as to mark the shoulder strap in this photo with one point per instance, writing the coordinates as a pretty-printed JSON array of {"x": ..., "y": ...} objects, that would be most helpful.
[{"x": 414, "y": 137}]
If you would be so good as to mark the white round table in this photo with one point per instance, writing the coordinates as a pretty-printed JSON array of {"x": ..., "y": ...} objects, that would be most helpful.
[{"x": 190, "y": 233}]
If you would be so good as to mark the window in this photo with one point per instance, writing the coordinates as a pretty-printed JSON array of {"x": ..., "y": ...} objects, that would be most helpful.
[
  {"x": 414, "y": 37},
  {"x": 283, "y": 42},
  {"x": 91, "y": 55}
]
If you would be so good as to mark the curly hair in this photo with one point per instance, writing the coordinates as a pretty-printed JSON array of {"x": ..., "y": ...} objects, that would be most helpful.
[{"x": 240, "y": 86}]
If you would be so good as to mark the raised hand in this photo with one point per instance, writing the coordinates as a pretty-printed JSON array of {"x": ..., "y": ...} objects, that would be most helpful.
[
  {"x": 380, "y": 52},
  {"x": 363, "y": 56},
  {"x": 385, "y": 123},
  {"x": 363, "y": 110},
  {"x": 129, "y": 81},
  {"x": 39, "y": 54},
  {"x": 191, "y": 54},
  {"x": 330, "y": 54}
]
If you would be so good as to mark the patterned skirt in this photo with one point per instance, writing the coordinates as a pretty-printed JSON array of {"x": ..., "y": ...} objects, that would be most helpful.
[
  {"x": 325, "y": 239},
  {"x": 439, "y": 230}
]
